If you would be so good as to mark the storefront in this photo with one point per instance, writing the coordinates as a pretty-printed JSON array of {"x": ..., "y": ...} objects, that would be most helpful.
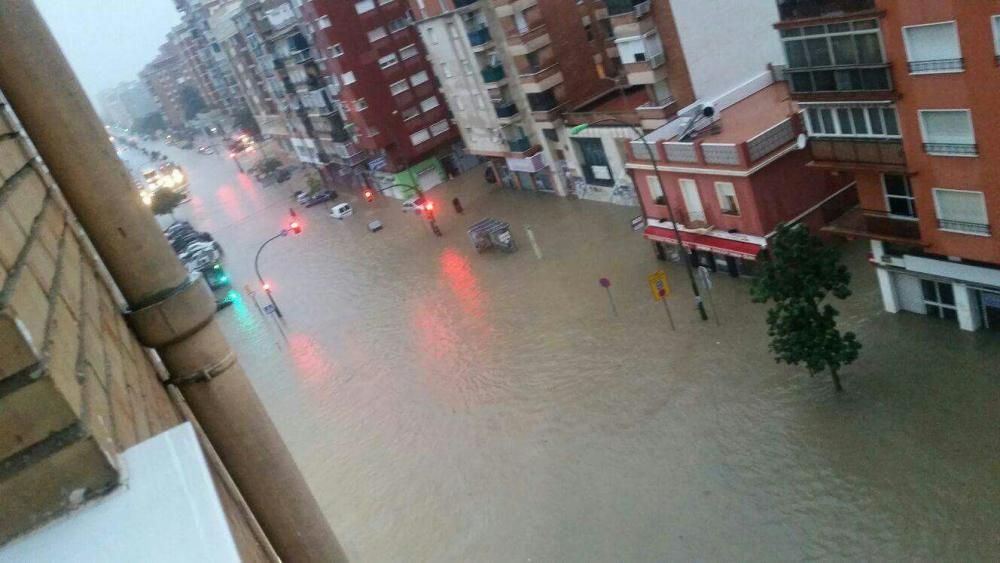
[
  {"x": 719, "y": 251},
  {"x": 531, "y": 173}
]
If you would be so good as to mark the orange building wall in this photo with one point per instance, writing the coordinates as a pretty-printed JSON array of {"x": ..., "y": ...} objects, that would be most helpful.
[{"x": 977, "y": 89}]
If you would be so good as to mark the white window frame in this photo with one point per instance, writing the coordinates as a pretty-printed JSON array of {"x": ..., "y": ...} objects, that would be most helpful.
[
  {"x": 418, "y": 135},
  {"x": 348, "y": 78},
  {"x": 376, "y": 31},
  {"x": 995, "y": 21},
  {"x": 720, "y": 196},
  {"x": 392, "y": 87},
  {"x": 911, "y": 197},
  {"x": 416, "y": 113},
  {"x": 430, "y": 107},
  {"x": 654, "y": 194},
  {"x": 438, "y": 125},
  {"x": 411, "y": 46},
  {"x": 335, "y": 50},
  {"x": 937, "y": 211},
  {"x": 323, "y": 22},
  {"x": 838, "y": 131},
  {"x": 364, "y": 6},
  {"x": 388, "y": 61},
  {"x": 923, "y": 131},
  {"x": 909, "y": 49},
  {"x": 360, "y": 104},
  {"x": 422, "y": 74}
]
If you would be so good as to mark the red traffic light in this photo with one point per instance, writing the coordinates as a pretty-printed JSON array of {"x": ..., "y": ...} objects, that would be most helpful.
[
  {"x": 429, "y": 206},
  {"x": 369, "y": 195},
  {"x": 295, "y": 227},
  {"x": 267, "y": 286}
]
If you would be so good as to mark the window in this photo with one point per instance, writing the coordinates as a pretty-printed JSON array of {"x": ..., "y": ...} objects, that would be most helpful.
[
  {"x": 727, "y": 198},
  {"x": 360, "y": 104},
  {"x": 440, "y": 127},
  {"x": 655, "y": 189},
  {"x": 961, "y": 211},
  {"x": 408, "y": 52},
  {"x": 948, "y": 132},
  {"x": 398, "y": 87},
  {"x": 939, "y": 299},
  {"x": 594, "y": 161},
  {"x": 364, "y": 6},
  {"x": 388, "y": 60},
  {"x": 335, "y": 50},
  {"x": 372, "y": 131},
  {"x": 853, "y": 46},
  {"x": 376, "y": 34},
  {"x": 348, "y": 78},
  {"x": 852, "y": 121},
  {"x": 398, "y": 24},
  {"x": 410, "y": 113},
  {"x": 933, "y": 48},
  {"x": 899, "y": 199},
  {"x": 383, "y": 2},
  {"x": 419, "y": 78},
  {"x": 429, "y": 103},
  {"x": 996, "y": 36},
  {"x": 420, "y": 137},
  {"x": 323, "y": 22}
]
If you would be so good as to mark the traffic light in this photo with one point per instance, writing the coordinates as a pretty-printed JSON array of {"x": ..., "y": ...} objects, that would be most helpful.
[
  {"x": 429, "y": 206},
  {"x": 295, "y": 226},
  {"x": 369, "y": 195},
  {"x": 267, "y": 286}
]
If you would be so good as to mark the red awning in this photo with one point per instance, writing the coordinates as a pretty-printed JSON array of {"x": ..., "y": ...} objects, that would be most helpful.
[{"x": 724, "y": 246}]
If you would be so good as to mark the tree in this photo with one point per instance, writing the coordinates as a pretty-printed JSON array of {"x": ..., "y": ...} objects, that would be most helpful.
[
  {"x": 244, "y": 120},
  {"x": 797, "y": 273},
  {"x": 165, "y": 201},
  {"x": 149, "y": 124},
  {"x": 314, "y": 183},
  {"x": 191, "y": 101}
]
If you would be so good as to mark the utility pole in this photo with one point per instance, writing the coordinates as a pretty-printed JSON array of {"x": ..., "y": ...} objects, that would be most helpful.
[{"x": 167, "y": 311}]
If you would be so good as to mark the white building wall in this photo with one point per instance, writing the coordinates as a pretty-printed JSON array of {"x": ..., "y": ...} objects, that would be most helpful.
[
  {"x": 717, "y": 62},
  {"x": 465, "y": 92}
]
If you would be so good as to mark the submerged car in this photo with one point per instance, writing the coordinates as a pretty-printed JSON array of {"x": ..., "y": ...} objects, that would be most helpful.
[
  {"x": 320, "y": 197},
  {"x": 341, "y": 211}
]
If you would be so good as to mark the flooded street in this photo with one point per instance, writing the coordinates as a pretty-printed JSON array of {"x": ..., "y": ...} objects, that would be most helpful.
[{"x": 450, "y": 406}]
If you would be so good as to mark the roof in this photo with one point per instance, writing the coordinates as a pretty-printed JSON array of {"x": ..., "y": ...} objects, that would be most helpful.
[{"x": 753, "y": 115}]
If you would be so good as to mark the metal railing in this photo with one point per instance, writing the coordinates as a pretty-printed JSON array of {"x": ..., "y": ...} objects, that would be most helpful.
[
  {"x": 493, "y": 73},
  {"x": 505, "y": 109},
  {"x": 965, "y": 149},
  {"x": 938, "y": 65},
  {"x": 964, "y": 227},
  {"x": 876, "y": 224},
  {"x": 858, "y": 78},
  {"x": 519, "y": 145},
  {"x": 718, "y": 153},
  {"x": 801, "y": 9},
  {"x": 858, "y": 150},
  {"x": 619, "y": 7},
  {"x": 769, "y": 140},
  {"x": 680, "y": 152},
  {"x": 479, "y": 36}
]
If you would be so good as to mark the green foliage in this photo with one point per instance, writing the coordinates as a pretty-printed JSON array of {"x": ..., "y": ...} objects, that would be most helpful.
[
  {"x": 314, "y": 183},
  {"x": 149, "y": 124},
  {"x": 165, "y": 201},
  {"x": 797, "y": 274},
  {"x": 269, "y": 165}
]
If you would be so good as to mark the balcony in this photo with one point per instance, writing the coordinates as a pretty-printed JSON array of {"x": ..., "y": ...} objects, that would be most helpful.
[
  {"x": 803, "y": 9},
  {"x": 951, "y": 149},
  {"x": 522, "y": 41},
  {"x": 300, "y": 57},
  {"x": 847, "y": 153},
  {"x": 535, "y": 80},
  {"x": 464, "y": 3},
  {"x": 505, "y": 110},
  {"x": 623, "y": 7},
  {"x": 519, "y": 145},
  {"x": 846, "y": 79},
  {"x": 648, "y": 70},
  {"x": 480, "y": 37},
  {"x": 877, "y": 225},
  {"x": 493, "y": 74}
]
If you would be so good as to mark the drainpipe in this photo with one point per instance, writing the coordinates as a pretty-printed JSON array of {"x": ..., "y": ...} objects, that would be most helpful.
[{"x": 168, "y": 310}]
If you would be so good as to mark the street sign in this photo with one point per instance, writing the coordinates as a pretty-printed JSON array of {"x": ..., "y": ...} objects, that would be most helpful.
[
  {"x": 637, "y": 222},
  {"x": 377, "y": 163},
  {"x": 658, "y": 285},
  {"x": 605, "y": 282},
  {"x": 269, "y": 308}
]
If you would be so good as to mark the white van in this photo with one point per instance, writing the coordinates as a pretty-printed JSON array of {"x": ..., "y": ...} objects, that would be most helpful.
[{"x": 341, "y": 210}]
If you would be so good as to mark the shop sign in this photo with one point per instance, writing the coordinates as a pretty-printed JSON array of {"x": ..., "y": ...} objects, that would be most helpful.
[
  {"x": 658, "y": 285},
  {"x": 377, "y": 163}
]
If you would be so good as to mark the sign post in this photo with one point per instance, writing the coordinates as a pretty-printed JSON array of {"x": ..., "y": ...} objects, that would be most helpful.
[
  {"x": 660, "y": 289},
  {"x": 705, "y": 276},
  {"x": 606, "y": 284}
]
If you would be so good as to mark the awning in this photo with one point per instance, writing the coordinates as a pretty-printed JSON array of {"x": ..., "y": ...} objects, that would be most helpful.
[{"x": 724, "y": 246}]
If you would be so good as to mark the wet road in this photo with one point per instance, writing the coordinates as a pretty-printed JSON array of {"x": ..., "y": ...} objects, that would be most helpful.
[{"x": 449, "y": 406}]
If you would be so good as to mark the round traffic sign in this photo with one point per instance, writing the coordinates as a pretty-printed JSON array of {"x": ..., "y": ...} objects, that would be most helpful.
[
  {"x": 605, "y": 282},
  {"x": 662, "y": 292}
]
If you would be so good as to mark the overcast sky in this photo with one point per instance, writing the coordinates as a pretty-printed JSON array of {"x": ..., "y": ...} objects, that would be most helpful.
[{"x": 108, "y": 41}]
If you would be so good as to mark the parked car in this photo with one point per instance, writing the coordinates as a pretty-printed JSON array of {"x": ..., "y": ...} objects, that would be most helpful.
[
  {"x": 341, "y": 210},
  {"x": 415, "y": 204},
  {"x": 206, "y": 150},
  {"x": 320, "y": 197}
]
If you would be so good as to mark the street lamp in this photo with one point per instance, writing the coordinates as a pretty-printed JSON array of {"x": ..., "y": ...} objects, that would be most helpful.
[
  {"x": 430, "y": 209},
  {"x": 666, "y": 200},
  {"x": 256, "y": 267}
]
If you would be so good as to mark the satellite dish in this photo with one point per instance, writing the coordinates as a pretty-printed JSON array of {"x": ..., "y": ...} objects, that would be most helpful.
[{"x": 801, "y": 141}]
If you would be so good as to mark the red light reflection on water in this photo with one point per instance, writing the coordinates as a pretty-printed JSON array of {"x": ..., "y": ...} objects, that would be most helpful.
[
  {"x": 463, "y": 283},
  {"x": 230, "y": 202},
  {"x": 311, "y": 363}
]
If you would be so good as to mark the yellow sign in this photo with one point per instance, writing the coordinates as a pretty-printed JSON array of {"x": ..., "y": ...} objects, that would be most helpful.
[{"x": 658, "y": 285}]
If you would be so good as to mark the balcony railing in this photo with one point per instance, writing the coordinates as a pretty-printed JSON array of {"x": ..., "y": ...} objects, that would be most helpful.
[
  {"x": 519, "y": 145},
  {"x": 505, "y": 109},
  {"x": 768, "y": 141},
  {"x": 848, "y": 151},
  {"x": 801, "y": 9},
  {"x": 479, "y": 36},
  {"x": 874, "y": 224},
  {"x": 964, "y": 227},
  {"x": 939, "y": 65},
  {"x": 960, "y": 149},
  {"x": 493, "y": 73},
  {"x": 619, "y": 7}
]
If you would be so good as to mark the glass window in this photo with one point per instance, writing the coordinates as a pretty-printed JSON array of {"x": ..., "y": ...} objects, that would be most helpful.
[
  {"x": 898, "y": 196},
  {"x": 859, "y": 121},
  {"x": 429, "y": 103},
  {"x": 655, "y": 189},
  {"x": 819, "y": 52},
  {"x": 845, "y": 50},
  {"x": 420, "y": 137},
  {"x": 795, "y": 51},
  {"x": 891, "y": 125},
  {"x": 947, "y": 126},
  {"x": 932, "y": 42},
  {"x": 727, "y": 198}
]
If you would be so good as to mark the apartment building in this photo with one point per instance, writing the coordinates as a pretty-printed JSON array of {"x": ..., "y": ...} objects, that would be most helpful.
[
  {"x": 510, "y": 70},
  {"x": 387, "y": 91},
  {"x": 198, "y": 45},
  {"x": 165, "y": 77},
  {"x": 901, "y": 96}
]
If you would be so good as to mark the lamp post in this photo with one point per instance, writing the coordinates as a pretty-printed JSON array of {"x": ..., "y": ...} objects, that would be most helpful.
[
  {"x": 256, "y": 268},
  {"x": 430, "y": 211},
  {"x": 666, "y": 200}
]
